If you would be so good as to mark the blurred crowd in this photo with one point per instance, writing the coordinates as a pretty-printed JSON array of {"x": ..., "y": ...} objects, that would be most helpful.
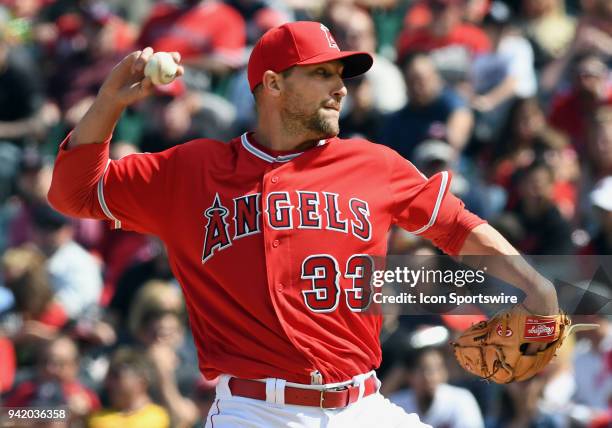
[{"x": 514, "y": 97}]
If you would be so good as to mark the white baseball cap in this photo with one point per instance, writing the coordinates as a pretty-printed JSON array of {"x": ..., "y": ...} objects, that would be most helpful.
[
  {"x": 433, "y": 150},
  {"x": 601, "y": 196}
]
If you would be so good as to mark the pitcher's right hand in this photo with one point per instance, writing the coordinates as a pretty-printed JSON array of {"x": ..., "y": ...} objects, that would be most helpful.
[{"x": 127, "y": 84}]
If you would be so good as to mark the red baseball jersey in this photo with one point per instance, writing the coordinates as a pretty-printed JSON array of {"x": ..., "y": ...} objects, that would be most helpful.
[{"x": 269, "y": 248}]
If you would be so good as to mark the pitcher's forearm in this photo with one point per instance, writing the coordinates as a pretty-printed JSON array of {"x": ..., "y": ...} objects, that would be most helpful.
[
  {"x": 98, "y": 123},
  {"x": 510, "y": 267}
]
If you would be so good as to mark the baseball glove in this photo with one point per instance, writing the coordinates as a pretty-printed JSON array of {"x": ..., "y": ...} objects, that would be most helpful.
[{"x": 495, "y": 349}]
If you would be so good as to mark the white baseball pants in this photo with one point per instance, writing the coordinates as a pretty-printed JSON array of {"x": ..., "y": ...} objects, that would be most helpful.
[{"x": 373, "y": 411}]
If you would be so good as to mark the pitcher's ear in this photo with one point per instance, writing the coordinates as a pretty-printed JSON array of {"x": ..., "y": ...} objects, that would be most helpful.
[{"x": 272, "y": 83}]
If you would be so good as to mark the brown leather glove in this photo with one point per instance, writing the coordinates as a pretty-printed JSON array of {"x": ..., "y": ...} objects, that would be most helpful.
[{"x": 495, "y": 349}]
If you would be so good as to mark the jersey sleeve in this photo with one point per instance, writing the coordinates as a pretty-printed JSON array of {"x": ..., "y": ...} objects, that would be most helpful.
[
  {"x": 133, "y": 192},
  {"x": 425, "y": 207}
]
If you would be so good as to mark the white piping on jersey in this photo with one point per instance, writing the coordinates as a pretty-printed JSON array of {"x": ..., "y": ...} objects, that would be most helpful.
[
  {"x": 434, "y": 214},
  {"x": 101, "y": 200},
  {"x": 265, "y": 156}
]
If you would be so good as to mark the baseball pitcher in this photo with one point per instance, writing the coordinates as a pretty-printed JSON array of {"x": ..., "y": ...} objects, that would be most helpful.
[{"x": 271, "y": 235}]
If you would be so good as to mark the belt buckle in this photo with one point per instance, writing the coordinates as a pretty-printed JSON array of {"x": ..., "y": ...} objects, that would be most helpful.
[{"x": 321, "y": 399}]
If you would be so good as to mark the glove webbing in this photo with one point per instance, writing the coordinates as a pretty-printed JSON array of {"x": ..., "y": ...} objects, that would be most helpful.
[{"x": 500, "y": 362}]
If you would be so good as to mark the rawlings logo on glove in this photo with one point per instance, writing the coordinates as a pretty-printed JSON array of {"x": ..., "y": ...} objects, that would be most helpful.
[{"x": 538, "y": 331}]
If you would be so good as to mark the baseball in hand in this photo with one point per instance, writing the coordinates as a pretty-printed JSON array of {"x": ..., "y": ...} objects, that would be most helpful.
[{"x": 161, "y": 68}]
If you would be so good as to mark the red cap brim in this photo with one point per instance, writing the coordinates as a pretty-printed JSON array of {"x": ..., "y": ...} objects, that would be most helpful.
[{"x": 355, "y": 63}]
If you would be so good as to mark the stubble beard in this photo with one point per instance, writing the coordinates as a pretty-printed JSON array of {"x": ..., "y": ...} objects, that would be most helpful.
[
  {"x": 325, "y": 127},
  {"x": 314, "y": 125}
]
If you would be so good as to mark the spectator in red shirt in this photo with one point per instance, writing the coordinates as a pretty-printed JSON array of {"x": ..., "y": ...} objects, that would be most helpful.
[
  {"x": 572, "y": 110},
  {"x": 526, "y": 138},
  {"x": 208, "y": 34},
  {"x": 56, "y": 382},
  {"x": 452, "y": 43}
]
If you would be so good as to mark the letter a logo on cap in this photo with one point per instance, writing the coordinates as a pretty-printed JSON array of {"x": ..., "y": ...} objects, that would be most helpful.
[{"x": 329, "y": 37}]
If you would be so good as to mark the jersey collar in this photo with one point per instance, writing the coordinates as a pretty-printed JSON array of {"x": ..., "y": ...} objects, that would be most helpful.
[{"x": 251, "y": 148}]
